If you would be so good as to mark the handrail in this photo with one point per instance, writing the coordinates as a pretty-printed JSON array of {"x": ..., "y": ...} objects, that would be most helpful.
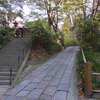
[
  {"x": 87, "y": 78},
  {"x": 98, "y": 74},
  {"x": 83, "y": 55},
  {"x": 95, "y": 73},
  {"x": 18, "y": 58}
]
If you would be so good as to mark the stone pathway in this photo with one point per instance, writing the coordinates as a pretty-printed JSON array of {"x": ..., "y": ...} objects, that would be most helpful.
[{"x": 51, "y": 81}]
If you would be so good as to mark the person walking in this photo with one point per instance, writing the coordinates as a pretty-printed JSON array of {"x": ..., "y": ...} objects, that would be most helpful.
[
  {"x": 22, "y": 32},
  {"x": 17, "y": 33}
]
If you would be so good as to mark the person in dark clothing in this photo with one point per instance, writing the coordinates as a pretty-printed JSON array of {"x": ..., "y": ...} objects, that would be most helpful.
[
  {"x": 22, "y": 32},
  {"x": 17, "y": 33}
]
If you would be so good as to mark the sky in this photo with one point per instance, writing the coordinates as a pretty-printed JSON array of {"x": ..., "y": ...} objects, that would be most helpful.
[{"x": 26, "y": 10}]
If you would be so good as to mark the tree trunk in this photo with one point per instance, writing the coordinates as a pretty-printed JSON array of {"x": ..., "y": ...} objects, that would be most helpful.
[
  {"x": 93, "y": 7},
  {"x": 71, "y": 20}
]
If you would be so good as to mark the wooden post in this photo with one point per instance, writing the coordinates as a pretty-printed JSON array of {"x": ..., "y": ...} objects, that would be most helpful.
[{"x": 88, "y": 80}]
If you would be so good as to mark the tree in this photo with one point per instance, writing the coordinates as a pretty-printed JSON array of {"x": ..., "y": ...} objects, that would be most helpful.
[
  {"x": 71, "y": 8},
  {"x": 65, "y": 29},
  {"x": 51, "y": 8},
  {"x": 7, "y": 10},
  {"x": 87, "y": 27},
  {"x": 95, "y": 7}
]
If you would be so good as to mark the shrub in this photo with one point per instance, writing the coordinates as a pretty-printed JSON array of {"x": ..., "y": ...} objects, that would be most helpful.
[
  {"x": 3, "y": 33},
  {"x": 70, "y": 42},
  {"x": 40, "y": 35},
  {"x": 93, "y": 57},
  {"x": 56, "y": 47},
  {"x": 88, "y": 30}
]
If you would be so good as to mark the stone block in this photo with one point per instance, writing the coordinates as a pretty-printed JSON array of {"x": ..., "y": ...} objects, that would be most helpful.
[
  {"x": 45, "y": 97},
  {"x": 30, "y": 86},
  {"x": 54, "y": 82},
  {"x": 68, "y": 71},
  {"x": 23, "y": 93},
  {"x": 47, "y": 78},
  {"x": 51, "y": 74},
  {"x": 31, "y": 78},
  {"x": 58, "y": 76},
  {"x": 42, "y": 84},
  {"x": 15, "y": 90},
  {"x": 63, "y": 87},
  {"x": 60, "y": 95},
  {"x": 25, "y": 82},
  {"x": 50, "y": 90},
  {"x": 37, "y": 79},
  {"x": 35, "y": 93}
]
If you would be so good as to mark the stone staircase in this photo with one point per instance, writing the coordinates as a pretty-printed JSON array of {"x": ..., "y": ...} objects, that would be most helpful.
[{"x": 8, "y": 54}]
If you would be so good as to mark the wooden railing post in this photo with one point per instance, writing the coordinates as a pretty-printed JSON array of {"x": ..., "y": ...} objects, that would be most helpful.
[{"x": 88, "y": 80}]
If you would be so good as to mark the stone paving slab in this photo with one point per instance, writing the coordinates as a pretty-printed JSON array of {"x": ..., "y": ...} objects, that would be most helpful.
[
  {"x": 46, "y": 97},
  {"x": 35, "y": 93},
  {"x": 50, "y": 90},
  {"x": 60, "y": 95},
  {"x": 42, "y": 84},
  {"x": 30, "y": 87},
  {"x": 19, "y": 98},
  {"x": 54, "y": 82},
  {"x": 63, "y": 87},
  {"x": 50, "y": 81},
  {"x": 23, "y": 93}
]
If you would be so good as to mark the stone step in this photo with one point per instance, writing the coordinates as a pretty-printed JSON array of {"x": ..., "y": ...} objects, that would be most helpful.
[
  {"x": 11, "y": 58},
  {"x": 10, "y": 61},
  {"x": 8, "y": 67},
  {"x": 8, "y": 55},
  {"x": 7, "y": 73},
  {"x": 7, "y": 70},
  {"x": 6, "y": 78},
  {"x": 13, "y": 53},
  {"x": 4, "y": 82},
  {"x": 4, "y": 64}
]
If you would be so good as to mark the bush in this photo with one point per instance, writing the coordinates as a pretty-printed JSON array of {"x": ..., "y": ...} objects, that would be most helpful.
[
  {"x": 3, "y": 33},
  {"x": 70, "y": 42},
  {"x": 88, "y": 30},
  {"x": 93, "y": 57},
  {"x": 40, "y": 35},
  {"x": 56, "y": 47}
]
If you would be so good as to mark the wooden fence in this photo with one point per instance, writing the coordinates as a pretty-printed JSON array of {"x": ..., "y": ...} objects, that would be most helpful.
[{"x": 88, "y": 77}]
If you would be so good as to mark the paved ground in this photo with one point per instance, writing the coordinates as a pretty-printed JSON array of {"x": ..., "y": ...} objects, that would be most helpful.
[{"x": 54, "y": 80}]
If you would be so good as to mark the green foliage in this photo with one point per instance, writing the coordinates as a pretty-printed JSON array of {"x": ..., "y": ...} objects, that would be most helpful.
[
  {"x": 39, "y": 33},
  {"x": 52, "y": 9},
  {"x": 4, "y": 32},
  {"x": 93, "y": 57},
  {"x": 80, "y": 65},
  {"x": 56, "y": 47},
  {"x": 88, "y": 31},
  {"x": 71, "y": 42},
  {"x": 7, "y": 11}
]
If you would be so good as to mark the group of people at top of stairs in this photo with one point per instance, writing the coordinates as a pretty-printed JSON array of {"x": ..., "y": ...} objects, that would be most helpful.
[{"x": 20, "y": 32}]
